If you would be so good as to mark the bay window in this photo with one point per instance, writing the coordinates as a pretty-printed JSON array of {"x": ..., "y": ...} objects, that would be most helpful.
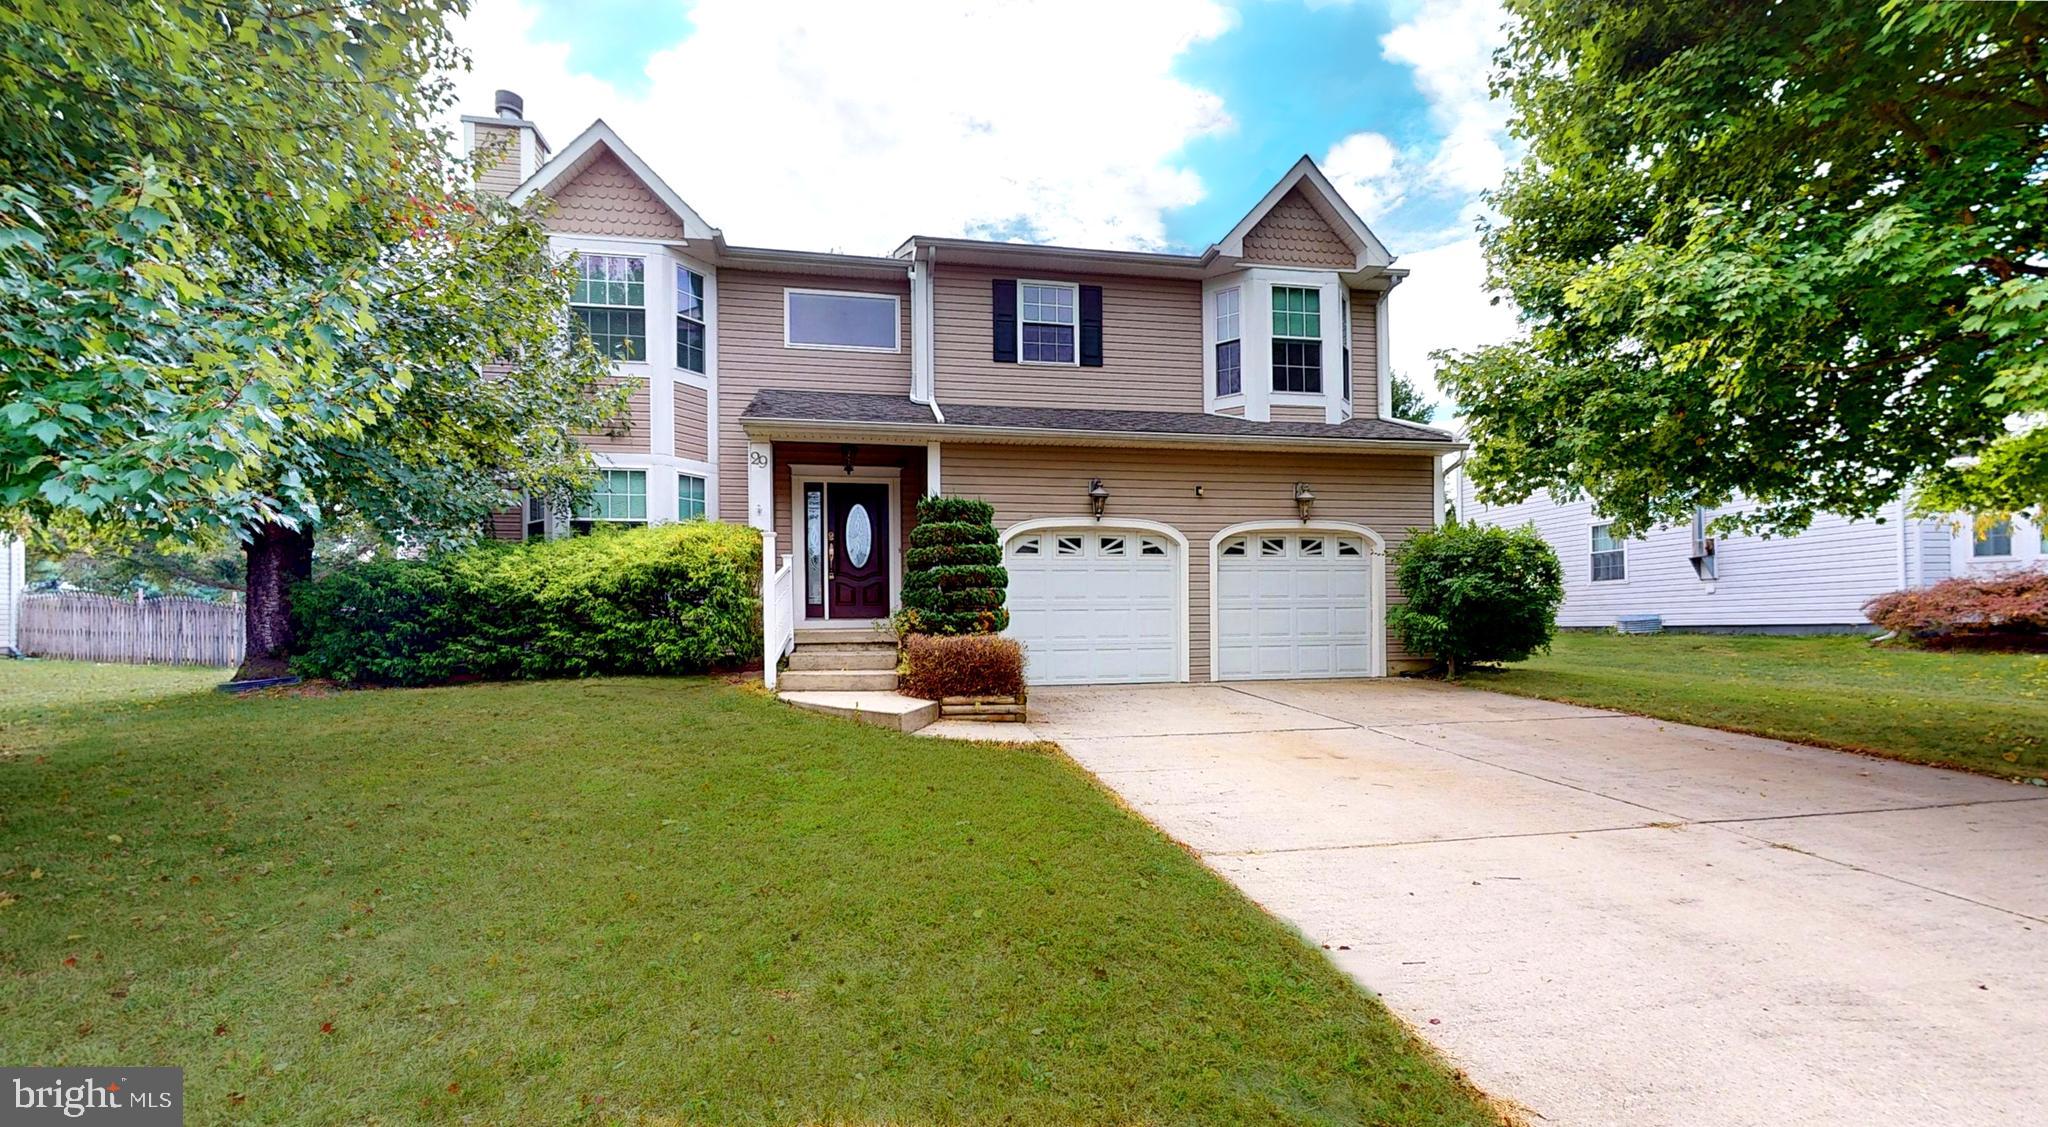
[
  {"x": 609, "y": 303},
  {"x": 1297, "y": 339},
  {"x": 689, "y": 320},
  {"x": 1229, "y": 344},
  {"x": 620, "y": 498}
]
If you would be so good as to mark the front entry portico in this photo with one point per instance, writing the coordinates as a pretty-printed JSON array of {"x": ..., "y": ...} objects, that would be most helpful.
[{"x": 842, "y": 513}]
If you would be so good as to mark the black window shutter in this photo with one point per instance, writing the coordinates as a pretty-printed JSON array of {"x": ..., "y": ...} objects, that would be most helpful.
[
  {"x": 1005, "y": 297},
  {"x": 1091, "y": 326}
]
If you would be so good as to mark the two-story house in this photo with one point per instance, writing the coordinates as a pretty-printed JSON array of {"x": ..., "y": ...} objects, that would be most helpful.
[{"x": 1189, "y": 455}]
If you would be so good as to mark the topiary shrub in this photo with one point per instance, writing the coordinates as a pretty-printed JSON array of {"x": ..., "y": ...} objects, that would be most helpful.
[
  {"x": 967, "y": 665},
  {"x": 1477, "y": 594},
  {"x": 953, "y": 578},
  {"x": 2008, "y": 611},
  {"x": 674, "y": 598}
]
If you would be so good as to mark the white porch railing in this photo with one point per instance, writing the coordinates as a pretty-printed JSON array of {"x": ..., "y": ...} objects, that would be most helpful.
[{"x": 778, "y": 607}]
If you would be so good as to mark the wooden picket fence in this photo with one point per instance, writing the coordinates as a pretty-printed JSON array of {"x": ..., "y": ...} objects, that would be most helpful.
[{"x": 172, "y": 630}]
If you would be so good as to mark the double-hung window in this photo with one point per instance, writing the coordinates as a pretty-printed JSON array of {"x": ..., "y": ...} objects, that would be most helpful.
[
  {"x": 689, "y": 320},
  {"x": 689, "y": 496},
  {"x": 1046, "y": 323},
  {"x": 609, "y": 303},
  {"x": 620, "y": 498},
  {"x": 1297, "y": 339},
  {"x": 1994, "y": 539},
  {"x": 1229, "y": 343},
  {"x": 1610, "y": 558},
  {"x": 536, "y": 518}
]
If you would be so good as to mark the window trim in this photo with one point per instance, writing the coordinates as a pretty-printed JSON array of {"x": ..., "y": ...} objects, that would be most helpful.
[
  {"x": 1073, "y": 288},
  {"x": 1275, "y": 339},
  {"x": 586, "y": 253},
  {"x": 1621, "y": 546},
  {"x": 895, "y": 320}
]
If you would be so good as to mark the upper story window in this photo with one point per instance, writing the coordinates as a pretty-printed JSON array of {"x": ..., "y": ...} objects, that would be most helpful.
[
  {"x": 689, "y": 320},
  {"x": 861, "y": 322},
  {"x": 610, "y": 303},
  {"x": 1046, "y": 323},
  {"x": 620, "y": 498},
  {"x": 1297, "y": 339},
  {"x": 1610, "y": 558},
  {"x": 1229, "y": 343},
  {"x": 1993, "y": 539}
]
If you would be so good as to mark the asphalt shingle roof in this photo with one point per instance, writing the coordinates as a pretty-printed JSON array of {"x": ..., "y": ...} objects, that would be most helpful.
[{"x": 790, "y": 405}]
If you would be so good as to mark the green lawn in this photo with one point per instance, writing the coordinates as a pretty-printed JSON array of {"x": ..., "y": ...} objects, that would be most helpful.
[
  {"x": 1978, "y": 711},
  {"x": 636, "y": 901}
]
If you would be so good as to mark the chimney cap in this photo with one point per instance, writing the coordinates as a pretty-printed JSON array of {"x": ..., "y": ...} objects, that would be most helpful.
[{"x": 510, "y": 105}]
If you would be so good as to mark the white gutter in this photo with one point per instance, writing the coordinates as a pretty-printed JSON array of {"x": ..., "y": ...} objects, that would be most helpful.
[{"x": 806, "y": 429}]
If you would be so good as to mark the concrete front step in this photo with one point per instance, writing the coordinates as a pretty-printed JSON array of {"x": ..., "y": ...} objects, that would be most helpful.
[
  {"x": 843, "y": 658},
  {"x": 883, "y": 710},
  {"x": 864, "y": 636},
  {"x": 839, "y": 680}
]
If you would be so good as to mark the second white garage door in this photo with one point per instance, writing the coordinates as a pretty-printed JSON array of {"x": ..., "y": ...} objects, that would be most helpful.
[
  {"x": 1096, "y": 606},
  {"x": 1294, "y": 604}
]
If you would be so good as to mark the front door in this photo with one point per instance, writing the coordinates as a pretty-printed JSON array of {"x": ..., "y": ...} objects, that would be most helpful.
[{"x": 857, "y": 549}]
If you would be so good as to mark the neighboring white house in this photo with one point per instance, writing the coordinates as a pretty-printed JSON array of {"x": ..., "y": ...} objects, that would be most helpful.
[
  {"x": 13, "y": 577},
  {"x": 1814, "y": 582}
]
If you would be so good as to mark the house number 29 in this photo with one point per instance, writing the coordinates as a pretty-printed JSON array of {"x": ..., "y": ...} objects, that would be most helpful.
[{"x": 757, "y": 458}]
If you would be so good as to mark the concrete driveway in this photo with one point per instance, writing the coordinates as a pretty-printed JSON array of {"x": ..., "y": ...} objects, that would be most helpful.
[{"x": 1612, "y": 920}]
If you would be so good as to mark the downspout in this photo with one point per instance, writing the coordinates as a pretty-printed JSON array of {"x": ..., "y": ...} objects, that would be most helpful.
[
  {"x": 1905, "y": 573},
  {"x": 924, "y": 335}
]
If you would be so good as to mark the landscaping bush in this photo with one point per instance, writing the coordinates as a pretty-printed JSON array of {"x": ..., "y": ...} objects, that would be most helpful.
[
  {"x": 1477, "y": 594},
  {"x": 2000, "y": 610},
  {"x": 953, "y": 578},
  {"x": 676, "y": 598},
  {"x": 966, "y": 665}
]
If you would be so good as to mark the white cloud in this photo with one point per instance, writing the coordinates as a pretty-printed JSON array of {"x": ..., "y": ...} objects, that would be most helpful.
[
  {"x": 1443, "y": 304},
  {"x": 818, "y": 124},
  {"x": 1449, "y": 44},
  {"x": 1363, "y": 167}
]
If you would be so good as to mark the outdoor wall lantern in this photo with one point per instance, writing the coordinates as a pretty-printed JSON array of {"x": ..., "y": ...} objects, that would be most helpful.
[
  {"x": 1304, "y": 500},
  {"x": 1098, "y": 496},
  {"x": 846, "y": 450}
]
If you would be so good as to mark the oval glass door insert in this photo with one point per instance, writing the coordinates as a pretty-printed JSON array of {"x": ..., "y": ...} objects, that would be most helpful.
[{"x": 860, "y": 536}]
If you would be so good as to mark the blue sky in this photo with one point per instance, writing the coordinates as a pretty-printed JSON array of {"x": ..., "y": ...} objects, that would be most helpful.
[{"x": 1143, "y": 123}]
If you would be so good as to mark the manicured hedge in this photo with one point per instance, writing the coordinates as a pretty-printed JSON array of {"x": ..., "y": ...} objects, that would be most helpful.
[
  {"x": 1477, "y": 594},
  {"x": 953, "y": 578},
  {"x": 676, "y": 598}
]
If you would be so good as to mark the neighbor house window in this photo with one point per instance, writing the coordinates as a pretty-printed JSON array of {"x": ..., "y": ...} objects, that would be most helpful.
[
  {"x": 862, "y": 322},
  {"x": 1045, "y": 323},
  {"x": 689, "y": 320},
  {"x": 536, "y": 518},
  {"x": 1229, "y": 344},
  {"x": 689, "y": 496},
  {"x": 1993, "y": 539},
  {"x": 620, "y": 498},
  {"x": 1297, "y": 339},
  {"x": 1610, "y": 559},
  {"x": 609, "y": 302}
]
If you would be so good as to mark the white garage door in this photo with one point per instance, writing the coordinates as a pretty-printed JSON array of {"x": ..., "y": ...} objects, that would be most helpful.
[
  {"x": 1294, "y": 604},
  {"x": 1096, "y": 606}
]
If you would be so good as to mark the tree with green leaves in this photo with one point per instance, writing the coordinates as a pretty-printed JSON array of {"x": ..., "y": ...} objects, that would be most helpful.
[
  {"x": 1408, "y": 402},
  {"x": 1792, "y": 252},
  {"x": 243, "y": 292}
]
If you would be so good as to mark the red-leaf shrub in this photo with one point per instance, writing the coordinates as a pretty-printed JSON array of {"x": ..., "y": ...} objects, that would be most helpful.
[
  {"x": 962, "y": 665},
  {"x": 2007, "y": 608}
]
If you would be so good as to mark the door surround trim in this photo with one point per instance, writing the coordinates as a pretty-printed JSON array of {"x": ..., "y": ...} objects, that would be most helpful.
[{"x": 800, "y": 476}]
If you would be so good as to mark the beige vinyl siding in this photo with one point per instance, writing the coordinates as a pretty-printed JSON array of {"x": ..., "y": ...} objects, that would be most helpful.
[
  {"x": 1299, "y": 414},
  {"x": 1365, "y": 354},
  {"x": 1151, "y": 346},
  {"x": 1294, "y": 233},
  {"x": 1389, "y": 494},
  {"x": 751, "y": 357},
  {"x": 507, "y": 524},
  {"x": 692, "y": 426},
  {"x": 605, "y": 198},
  {"x": 628, "y": 434},
  {"x": 497, "y": 153}
]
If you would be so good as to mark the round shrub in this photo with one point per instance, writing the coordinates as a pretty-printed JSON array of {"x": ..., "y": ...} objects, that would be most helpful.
[{"x": 1477, "y": 594}]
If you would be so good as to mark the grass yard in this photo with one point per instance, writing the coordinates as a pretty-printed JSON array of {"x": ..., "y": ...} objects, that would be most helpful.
[
  {"x": 636, "y": 901},
  {"x": 1977, "y": 711}
]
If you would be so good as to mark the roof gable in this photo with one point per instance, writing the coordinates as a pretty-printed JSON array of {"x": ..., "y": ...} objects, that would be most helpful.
[
  {"x": 1301, "y": 201},
  {"x": 601, "y": 186}
]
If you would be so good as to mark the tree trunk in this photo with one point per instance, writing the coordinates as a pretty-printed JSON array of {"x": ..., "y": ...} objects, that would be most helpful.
[{"x": 278, "y": 557}]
